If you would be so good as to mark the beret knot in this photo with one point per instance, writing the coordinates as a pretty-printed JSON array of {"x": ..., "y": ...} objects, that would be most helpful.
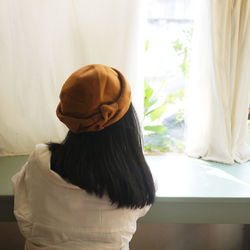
[{"x": 108, "y": 111}]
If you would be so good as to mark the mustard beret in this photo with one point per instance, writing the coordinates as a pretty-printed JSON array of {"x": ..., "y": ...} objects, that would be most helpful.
[{"x": 92, "y": 98}]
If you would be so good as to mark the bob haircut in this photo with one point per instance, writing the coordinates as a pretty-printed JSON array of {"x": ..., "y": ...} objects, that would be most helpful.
[{"x": 109, "y": 161}]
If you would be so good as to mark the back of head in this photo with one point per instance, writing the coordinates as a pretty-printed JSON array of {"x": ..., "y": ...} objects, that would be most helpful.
[{"x": 106, "y": 159}]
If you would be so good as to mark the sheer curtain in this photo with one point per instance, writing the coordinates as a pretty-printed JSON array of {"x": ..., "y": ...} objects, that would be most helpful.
[
  {"x": 219, "y": 89},
  {"x": 41, "y": 43}
]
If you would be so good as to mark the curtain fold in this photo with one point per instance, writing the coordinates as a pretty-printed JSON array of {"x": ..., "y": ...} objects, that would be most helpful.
[
  {"x": 41, "y": 43},
  {"x": 218, "y": 95}
]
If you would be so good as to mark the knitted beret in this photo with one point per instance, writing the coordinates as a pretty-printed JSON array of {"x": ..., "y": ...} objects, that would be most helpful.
[{"x": 92, "y": 98}]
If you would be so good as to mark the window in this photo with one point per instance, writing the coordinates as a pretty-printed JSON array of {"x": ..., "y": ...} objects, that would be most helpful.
[{"x": 167, "y": 63}]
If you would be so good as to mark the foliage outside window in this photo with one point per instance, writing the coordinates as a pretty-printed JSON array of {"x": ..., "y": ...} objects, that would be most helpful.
[
  {"x": 158, "y": 138},
  {"x": 167, "y": 66}
]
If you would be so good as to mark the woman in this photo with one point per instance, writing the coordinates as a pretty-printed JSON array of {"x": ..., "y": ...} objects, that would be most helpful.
[{"x": 88, "y": 191}]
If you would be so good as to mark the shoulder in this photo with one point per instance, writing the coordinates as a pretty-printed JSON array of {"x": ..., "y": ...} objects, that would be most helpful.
[
  {"x": 138, "y": 212},
  {"x": 39, "y": 152},
  {"x": 41, "y": 148},
  {"x": 34, "y": 159},
  {"x": 142, "y": 211},
  {"x": 39, "y": 158}
]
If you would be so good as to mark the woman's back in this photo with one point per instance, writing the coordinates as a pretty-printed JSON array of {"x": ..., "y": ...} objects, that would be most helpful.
[{"x": 60, "y": 215}]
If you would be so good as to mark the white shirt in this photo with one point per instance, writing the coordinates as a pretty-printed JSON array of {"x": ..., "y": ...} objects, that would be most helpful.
[{"x": 54, "y": 214}]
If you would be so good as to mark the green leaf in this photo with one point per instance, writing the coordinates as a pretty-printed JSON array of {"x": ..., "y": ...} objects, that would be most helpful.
[
  {"x": 148, "y": 92},
  {"x": 146, "y": 104},
  {"x": 170, "y": 98},
  {"x": 179, "y": 115},
  {"x": 158, "y": 112},
  {"x": 162, "y": 84},
  {"x": 146, "y": 48},
  {"x": 148, "y": 148},
  {"x": 163, "y": 149},
  {"x": 149, "y": 102},
  {"x": 159, "y": 129},
  {"x": 180, "y": 93},
  {"x": 177, "y": 45},
  {"x": 153, "y": 100}
]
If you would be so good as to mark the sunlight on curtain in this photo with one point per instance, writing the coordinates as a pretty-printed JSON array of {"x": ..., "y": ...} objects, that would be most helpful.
[
  {"x": 41, "y": 43},
  {"x": 220, "y": 83}
]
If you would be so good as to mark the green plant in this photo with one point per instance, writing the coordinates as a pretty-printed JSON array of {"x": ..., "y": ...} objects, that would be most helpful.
[
  {"x": 152, "y": 109},
  {"x": 158, "y": 138},
  {"x": 183, "y": 49}
]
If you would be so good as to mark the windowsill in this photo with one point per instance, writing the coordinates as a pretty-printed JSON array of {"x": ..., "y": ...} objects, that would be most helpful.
[
  {"x": 164, "y": 154},
  {"x": 197, "y": 191},
  {"x": 189, "y": 190}
]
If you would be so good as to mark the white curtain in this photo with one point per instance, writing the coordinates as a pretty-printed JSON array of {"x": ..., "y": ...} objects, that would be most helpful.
[
  {"x": 219, "y": 90},
  {"x": 41, "y": 43}
]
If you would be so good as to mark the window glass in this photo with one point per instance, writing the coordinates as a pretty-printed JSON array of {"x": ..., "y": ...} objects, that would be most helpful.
[{"x": 167, "y": 62}]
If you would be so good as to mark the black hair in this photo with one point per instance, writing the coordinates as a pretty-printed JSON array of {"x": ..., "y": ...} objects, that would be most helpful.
[{"x": 109, "y": 161}]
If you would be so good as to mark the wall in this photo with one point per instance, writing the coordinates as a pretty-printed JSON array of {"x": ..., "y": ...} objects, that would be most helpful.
[{"x": 159, "y": 237}]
